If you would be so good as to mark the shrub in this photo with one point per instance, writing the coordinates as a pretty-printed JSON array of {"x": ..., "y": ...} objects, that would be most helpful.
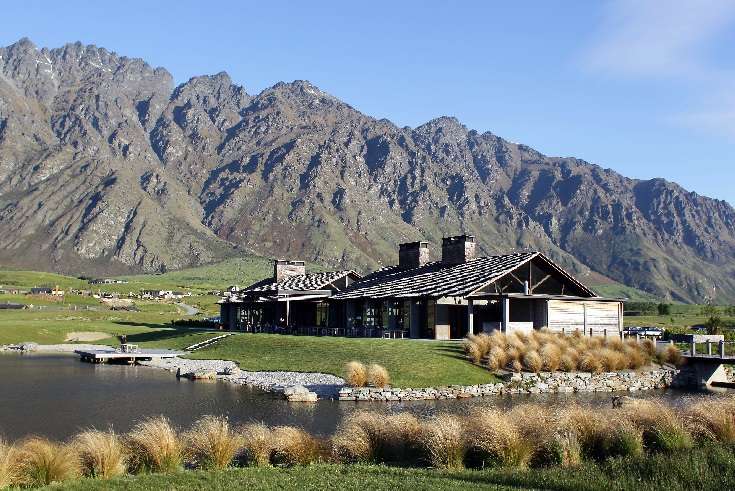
[
  {"x": 473, "y": 352},
  {"x": 662, "y": 429},
  {"x": 372, "y": 437},
  {"x": 550, "y": 357},
  {"x": 155, "y": 446},
  {"x": 634, "y": 358},
  {"x": 257, "y": 444},
  {"x": 294, "y": 446},
  {"x": 101, "y": 453},
  {"x": 494, "y": 441},
  {"x": 562, "y": 449},
  {"x": 43, "y": 462},
  {"x": 532, "y": 361},
  {"x": 355, "y": 374},
  {"x": 378, "y": 376},
  {"x": 212, "y": 444},
  {"x": 442, "y": 439},
  {"x": 400, "y": 438},
  {"x": 9, "y": 471},
  {"x": 515, "y": 366}
]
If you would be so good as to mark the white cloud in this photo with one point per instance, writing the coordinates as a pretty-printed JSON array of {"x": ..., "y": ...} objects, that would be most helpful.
[
  {"x": 659, "y": 37},
  {"x": 671, "y": 40}
]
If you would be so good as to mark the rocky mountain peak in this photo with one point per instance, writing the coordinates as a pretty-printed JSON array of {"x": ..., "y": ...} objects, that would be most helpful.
[{"x": 105, "y": 167}]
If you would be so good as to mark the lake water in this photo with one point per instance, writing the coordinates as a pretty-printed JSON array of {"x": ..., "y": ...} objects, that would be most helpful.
[{"x": 57, "y": 395}]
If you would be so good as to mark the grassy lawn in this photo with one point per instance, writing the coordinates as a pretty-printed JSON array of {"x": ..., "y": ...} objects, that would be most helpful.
[
  {"x": 700, "y": 469},
  {"x": 411, "y": 363}
]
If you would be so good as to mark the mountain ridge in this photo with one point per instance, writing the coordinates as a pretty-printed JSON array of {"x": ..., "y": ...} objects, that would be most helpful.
[{"x": 107, "y": 166}]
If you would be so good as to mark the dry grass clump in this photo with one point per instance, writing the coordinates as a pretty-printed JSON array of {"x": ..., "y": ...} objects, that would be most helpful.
[
  {"x": 662, "y": 430},
  {"x": 377, "y": 376},
  {"x": 442, "y": 440},
  {"x": 257, "y": 444},
  {"x": 101, "y": 454},
  {"x": 494, "y": 441},
  {"x": 532, "y": 361},
  {"x": 544, "y": 350},
  {"x": 43, "y": 462},
  {"x": 372, "y": 437},
  {"x": 712, "y": 420},
  {"x": 294, "y": 446},
  {"x": 212, "y": 443},
  {"x": 9, "y": 469},
  {"x": 671, "y": 354},
  {"x": 550, "y": 356},
  {"x": 155, "y": 446},
  {"x": 590, "y": 362},
  {"x": 355, "y": 374}
]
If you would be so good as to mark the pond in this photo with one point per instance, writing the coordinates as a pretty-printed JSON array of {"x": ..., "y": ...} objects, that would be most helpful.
[{"x": 56, "y": 395}]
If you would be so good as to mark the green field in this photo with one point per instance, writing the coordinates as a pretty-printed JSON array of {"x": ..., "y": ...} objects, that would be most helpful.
[
  {"x": 411, "y": 363},
  {"x": 700, "y": 469}
]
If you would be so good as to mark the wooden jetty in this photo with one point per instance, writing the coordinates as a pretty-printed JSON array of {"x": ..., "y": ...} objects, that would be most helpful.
[{"x": 125, "y": 354}]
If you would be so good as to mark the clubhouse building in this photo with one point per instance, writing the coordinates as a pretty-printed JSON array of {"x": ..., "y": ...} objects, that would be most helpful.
[{"x": 420, "y": 298}]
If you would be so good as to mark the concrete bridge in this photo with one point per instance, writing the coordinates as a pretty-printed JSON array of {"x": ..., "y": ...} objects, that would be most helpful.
[{"x": 706, "y": 362}]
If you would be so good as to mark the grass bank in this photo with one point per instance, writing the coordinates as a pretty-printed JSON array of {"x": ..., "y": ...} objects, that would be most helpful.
[
  {"x": 701, "y": 469},
  {"x": 411, "y": 363}
]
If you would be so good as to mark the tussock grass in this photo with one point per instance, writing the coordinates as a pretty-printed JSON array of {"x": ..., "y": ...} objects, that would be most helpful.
[
  {"x": 712, "y": 420},
  {"x": 212, "y": 443},
  {"x": 294, "y": 446},
  {"x": 9, "y": 469},
  {"x": 543, "y": 350},
  {"x": 662, "y": 430},
  {"x": 257, "y": 444},
  {"x": 671, "y": 354},
  {"x": 443, "y": 441},
  {"x": 378, "y": 438},
  {"x": 155, "y": 446},
  {"x": 378, "y": 376},
  {"x": 43, "y": 462},
  {"x": 492, "y": 440},
  {"x": 355, "y": 374},
  {"x": 101, "y": 454}
]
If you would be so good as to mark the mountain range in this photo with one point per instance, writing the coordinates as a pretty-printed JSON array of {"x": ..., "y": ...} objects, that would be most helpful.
[{"x": 107, "y": 167}]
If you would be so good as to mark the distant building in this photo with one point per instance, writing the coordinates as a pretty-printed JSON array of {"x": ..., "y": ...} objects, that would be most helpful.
[
  {"x": 107, "y": 281},
  {"x": 41, "y": 290}
]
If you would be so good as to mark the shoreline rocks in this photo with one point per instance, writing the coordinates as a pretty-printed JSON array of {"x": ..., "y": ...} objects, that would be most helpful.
[{"x": 523, "y": 383}]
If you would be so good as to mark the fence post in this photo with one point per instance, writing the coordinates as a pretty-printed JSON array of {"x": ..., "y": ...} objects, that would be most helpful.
[
  {"x": 709, "y": 347},
  {"x": 722, "y": 349},
  {"x": 693, "y": 348}
]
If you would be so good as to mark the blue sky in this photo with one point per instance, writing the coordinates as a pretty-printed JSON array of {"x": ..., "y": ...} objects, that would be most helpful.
[{"x": 644, "y": 87}]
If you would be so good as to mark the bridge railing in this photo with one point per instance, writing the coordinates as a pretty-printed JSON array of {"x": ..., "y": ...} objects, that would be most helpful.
[{"x": 713, "y": 349}]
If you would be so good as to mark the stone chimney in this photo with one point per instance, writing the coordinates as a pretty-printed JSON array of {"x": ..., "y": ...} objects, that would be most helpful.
[
  {"x": 413, "y": 254},
  {"x": 458, "y": 249},
  {"x": 283, "y": 269}
]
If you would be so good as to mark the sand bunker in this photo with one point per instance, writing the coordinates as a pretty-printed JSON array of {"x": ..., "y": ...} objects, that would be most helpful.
[{"x": 85, "y": 337}]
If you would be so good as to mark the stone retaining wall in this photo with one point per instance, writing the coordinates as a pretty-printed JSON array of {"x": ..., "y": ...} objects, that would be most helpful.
[{"x": 522, "y": 383}]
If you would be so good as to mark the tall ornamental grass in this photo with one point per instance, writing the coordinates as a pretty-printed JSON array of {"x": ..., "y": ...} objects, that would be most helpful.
[
  {"x": 155, "y": 446},
  {"x": 9, "y": 469},
  {"x": 212, "y": 443},
  {"x": 546, "y": 351},
  {"x": 42, "y": 462},
  {"x": 258, "y": 445},
  {"x": 101, "y": 454}
]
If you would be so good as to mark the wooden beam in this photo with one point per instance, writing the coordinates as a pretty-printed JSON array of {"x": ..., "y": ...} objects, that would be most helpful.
[{"x": 539, "y": 283}]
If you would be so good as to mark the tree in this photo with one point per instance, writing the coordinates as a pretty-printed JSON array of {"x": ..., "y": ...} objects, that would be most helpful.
[
  {"x": 664, "y": 309},
  {"x": 709, "y": 310},
  {"x": 714, "y": 325}
]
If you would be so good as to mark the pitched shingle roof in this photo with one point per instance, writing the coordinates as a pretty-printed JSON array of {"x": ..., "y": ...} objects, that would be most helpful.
[
  {"x": 302, "y": 282},
  {"x": 435, "y": 279}
]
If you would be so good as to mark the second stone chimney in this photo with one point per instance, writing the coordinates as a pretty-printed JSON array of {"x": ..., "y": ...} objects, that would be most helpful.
[
  {"x": 458, "y": 249},
  {"x": 283, "y": 269},
  {"x": 413, "y": 254}
]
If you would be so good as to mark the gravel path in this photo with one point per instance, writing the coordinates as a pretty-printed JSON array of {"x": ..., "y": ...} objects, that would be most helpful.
[{"x": 324, "y": 384}]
